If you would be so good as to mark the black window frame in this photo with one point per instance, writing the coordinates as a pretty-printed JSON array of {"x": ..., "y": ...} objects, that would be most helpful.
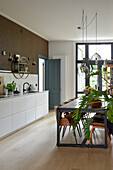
[{"x": 93, "y": 62}]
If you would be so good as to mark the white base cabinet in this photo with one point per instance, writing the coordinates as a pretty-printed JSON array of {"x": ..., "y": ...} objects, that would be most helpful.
[
  {"x": 30, "y": 115},
  {"x": 17, "y": 112},
  {"x": 5, "y": 126},
  {"x": 39, "y": 111},
  {"x": 19, "y": 120}
]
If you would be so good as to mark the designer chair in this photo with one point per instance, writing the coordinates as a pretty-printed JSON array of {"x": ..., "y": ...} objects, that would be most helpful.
[
  {"x": 64, "y": 123},
  {"x": 98, "y": 122}
]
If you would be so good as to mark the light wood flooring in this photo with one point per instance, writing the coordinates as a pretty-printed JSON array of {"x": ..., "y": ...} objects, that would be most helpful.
[{"x": 34, "y": 148}]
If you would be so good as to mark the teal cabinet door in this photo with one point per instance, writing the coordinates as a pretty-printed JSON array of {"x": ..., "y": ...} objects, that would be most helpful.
[{"x": 52, "y": 81}]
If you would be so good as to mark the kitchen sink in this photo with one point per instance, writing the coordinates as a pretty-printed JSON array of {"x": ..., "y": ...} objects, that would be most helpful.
[{"x": 32, "y": 91}]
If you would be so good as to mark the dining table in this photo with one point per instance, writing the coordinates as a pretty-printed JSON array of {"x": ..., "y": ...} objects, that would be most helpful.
[{"x": 70, "y": 107}]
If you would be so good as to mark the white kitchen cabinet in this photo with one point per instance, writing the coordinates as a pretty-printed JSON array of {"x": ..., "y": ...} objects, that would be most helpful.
[
  {"x": 45, "y": 97},
  {"x": 5, "y": 126},
  {"x": 45, "y": 109},
  {"x": 5, "y": 108},
  {"x": 30, "y": 115},
  {"x": 39, "y": 99},
  {"x": 19, "y": 104},
  {"x": 39, "y": 112},
  {"x": 18, "y": 120},
  {"x": 19, "y": 111},
  {"x": 30, "y": 101}
]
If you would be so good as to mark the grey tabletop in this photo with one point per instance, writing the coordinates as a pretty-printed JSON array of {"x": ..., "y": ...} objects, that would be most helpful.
[{"x": 76, "y": 103}]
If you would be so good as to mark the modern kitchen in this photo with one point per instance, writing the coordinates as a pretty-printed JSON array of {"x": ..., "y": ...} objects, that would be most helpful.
[
  {"x": 21, "y": 100},
  {"x": 56, "y": 85}
]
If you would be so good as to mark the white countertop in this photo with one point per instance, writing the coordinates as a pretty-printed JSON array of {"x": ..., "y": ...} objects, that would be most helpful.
[{"x": 4, "y": 97}]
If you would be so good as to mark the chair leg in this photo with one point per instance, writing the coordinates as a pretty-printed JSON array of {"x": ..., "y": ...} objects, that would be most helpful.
[
  {"x": 64, "y": 130},
  {"x": 78, "y": 131},
  {"x": 69, "y": 127},
  {"x": 82, "y": 122},
  {"x": 92, "y": 130},
  {"x": 109, "y": 138},
  {"x": 75, "y": 137},
  {"x": 60, "y": 128}
]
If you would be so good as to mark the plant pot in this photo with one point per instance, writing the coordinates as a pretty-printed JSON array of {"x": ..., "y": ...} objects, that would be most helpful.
[
  {"x": 97, "y": 103},
  {"x": 10, "y": 92}
]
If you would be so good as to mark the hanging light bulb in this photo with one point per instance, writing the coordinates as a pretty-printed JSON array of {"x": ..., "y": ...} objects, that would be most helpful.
[{"x": 83, "y": 67}]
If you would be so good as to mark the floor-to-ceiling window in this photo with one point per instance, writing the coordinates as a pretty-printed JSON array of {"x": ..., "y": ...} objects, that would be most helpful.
[{"x": 87, "y": 50}]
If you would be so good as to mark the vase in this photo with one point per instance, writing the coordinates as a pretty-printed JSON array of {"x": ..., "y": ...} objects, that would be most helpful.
[{"x": 97, "y": 103}]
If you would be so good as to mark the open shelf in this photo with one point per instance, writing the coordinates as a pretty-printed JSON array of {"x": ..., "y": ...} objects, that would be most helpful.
[
  {"x": 108, "y": 73},
  {"x": 106, "y": 77}
]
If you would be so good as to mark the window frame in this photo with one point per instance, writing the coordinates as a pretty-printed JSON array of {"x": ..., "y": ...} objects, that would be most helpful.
[{"x": 93, "y": 62}]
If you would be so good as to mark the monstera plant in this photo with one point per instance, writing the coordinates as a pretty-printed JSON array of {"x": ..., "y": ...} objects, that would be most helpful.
[{"x": 93, "y": 96}]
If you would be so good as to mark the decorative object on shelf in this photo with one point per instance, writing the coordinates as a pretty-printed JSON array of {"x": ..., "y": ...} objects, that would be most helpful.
[
  {"x": 11, "y": 87},
  {"x": 34, "y": 62},
  {"x": 108, "y": 75},
  {"x": 20, "y": 67},
  {"x": 86, "y": 101},
  {"x": 10, "y": 57}
]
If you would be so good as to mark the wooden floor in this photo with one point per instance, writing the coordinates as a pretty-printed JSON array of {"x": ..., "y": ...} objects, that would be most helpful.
[{"x": 34, "y": 148}]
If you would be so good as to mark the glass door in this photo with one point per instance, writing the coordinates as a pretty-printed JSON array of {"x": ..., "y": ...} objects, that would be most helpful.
[
  {"x": 80, "y": 77},
  {"x": 87, "y": 50}
]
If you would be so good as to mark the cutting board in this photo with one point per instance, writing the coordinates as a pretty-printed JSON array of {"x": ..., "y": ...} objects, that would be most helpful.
[
  {"x": 1, "y": 89},
  {"x": 1, "y": 85}
]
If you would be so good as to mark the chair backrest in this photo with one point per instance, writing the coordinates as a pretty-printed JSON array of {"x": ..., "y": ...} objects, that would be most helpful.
[{"x": 55, "y": 108}]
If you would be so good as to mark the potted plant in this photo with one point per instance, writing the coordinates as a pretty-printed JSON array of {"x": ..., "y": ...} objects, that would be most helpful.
[
  {"x": 93, "y": 96},
  {"x": 11, "y": 87}
]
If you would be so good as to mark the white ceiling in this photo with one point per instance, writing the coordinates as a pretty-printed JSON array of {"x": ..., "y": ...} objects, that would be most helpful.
[{"x": 59, "y": 19}]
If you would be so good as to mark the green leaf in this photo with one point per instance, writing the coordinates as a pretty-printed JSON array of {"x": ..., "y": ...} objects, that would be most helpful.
[{"x": 86, "y": 127}]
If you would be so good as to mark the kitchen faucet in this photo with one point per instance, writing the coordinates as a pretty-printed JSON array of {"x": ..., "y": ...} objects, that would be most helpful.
[{"x": 24, "y": 86}]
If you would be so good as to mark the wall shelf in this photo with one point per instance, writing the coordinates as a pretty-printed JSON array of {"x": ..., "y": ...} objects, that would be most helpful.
[
  {"x": 20, "y": 68},
  {"x": 108, "y": 86}
]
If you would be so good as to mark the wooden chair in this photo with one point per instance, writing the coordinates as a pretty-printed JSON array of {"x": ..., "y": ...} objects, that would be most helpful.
[
  {"x": 99, "y": 123},
  {"x": 71, "y": 121},
  {"x": 65, "y": 122}
]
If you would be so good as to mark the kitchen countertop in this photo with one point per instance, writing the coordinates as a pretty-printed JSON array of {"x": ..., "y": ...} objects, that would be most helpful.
[{"x": 4, "y": 97}]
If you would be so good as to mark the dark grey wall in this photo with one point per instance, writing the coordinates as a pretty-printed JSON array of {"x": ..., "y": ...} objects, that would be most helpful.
[{"x": 18, "y": 40}]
